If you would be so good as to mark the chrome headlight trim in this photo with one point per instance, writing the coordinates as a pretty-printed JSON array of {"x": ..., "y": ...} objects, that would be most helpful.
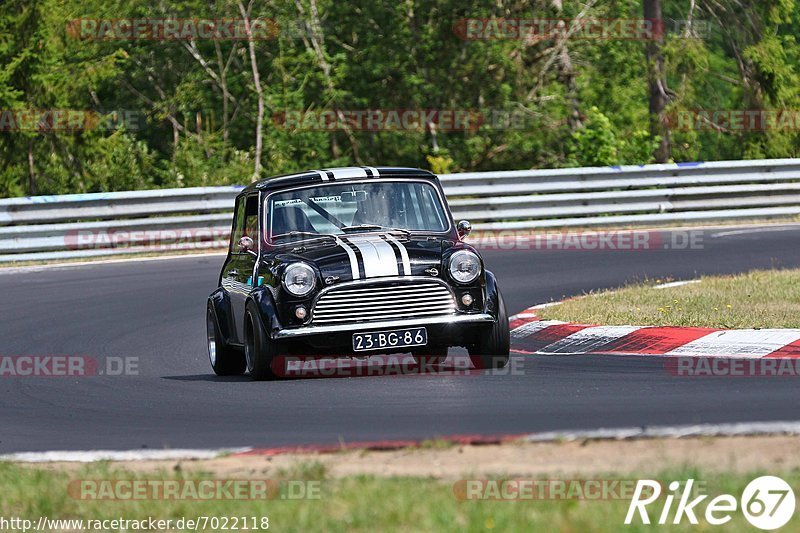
[
  {"x": 304, "y": 269},
  {"x": 459, "y": 258}
]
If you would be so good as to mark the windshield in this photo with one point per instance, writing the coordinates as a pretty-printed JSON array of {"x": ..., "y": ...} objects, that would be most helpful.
[{"x": 353, "y": 207}]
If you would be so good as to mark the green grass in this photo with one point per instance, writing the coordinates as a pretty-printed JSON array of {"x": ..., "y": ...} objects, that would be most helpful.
[
  {"x": 758, "y": 299},
  {"x": 358, "y": 504}
]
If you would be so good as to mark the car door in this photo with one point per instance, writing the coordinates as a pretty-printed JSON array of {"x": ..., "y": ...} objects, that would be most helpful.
[{"x": 237, "y": 275}]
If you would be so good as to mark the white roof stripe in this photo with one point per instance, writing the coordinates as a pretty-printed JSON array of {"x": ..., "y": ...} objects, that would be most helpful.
[{"x": 348, "y": 173}]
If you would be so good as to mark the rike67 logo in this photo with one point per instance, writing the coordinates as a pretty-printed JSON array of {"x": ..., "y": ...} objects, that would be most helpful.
[{"x": 768, "y": 502}]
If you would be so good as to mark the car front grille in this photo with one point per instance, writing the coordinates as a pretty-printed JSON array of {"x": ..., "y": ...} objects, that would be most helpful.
[{"x": 362, "y": 302}]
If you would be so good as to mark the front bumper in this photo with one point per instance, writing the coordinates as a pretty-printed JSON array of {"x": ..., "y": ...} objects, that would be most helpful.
[{"x": 358, "y": 327}]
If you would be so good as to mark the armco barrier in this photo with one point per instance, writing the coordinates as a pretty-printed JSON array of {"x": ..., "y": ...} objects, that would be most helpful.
[{"x": 52, "y": 227}]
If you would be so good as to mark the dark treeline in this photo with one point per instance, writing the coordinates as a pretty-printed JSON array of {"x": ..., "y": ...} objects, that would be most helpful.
[{"x": 291, "y": 84}]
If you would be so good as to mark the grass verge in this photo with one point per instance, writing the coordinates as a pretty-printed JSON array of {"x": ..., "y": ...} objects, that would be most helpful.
[
  {"x": 757, "y": 299},
  {"x": 359, "y": 503}
]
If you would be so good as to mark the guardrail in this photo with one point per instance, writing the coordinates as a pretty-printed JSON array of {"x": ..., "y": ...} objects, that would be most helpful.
[{"x": 86, "y": 225}]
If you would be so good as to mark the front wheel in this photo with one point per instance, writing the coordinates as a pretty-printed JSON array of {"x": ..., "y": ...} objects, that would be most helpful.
[
  {"x": 225, "y": 361},
  {"x": 493, "y": 348},
  {"x": 259, "y": 350}
]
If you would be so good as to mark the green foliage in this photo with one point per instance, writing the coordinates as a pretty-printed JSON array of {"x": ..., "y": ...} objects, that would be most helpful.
[
  {"x": 197, "y": 103},
  {"x": 599, "y": 144}
]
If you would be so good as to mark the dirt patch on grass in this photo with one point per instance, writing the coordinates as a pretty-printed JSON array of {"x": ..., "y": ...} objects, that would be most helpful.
[{"x": 586, "y": 458}]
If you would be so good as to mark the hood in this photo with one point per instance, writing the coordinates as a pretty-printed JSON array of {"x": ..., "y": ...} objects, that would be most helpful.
[{"x": 373, "y": 255}]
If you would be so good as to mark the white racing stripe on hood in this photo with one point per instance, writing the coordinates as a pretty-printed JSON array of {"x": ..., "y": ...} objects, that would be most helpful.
[
  {"x": 403, "y": 254},
  {"x": 352, "y": 255},
  {"x": 378, "y": 255}
]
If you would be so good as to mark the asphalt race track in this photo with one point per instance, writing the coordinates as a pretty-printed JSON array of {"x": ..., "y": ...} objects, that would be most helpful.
[{"x": 154, "y": 310}]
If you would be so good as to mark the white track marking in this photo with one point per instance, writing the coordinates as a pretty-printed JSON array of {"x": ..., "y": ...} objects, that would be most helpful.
[
  {"x": 788, "y": 427},
  {"x": 744, "y": 343},
  {"x": 752, "y": 230},
  {"x": 588, "y": 339},
  {"x": 698, "y": 430},
  {"x": 676, "y": 284},
  {"x": 545, "y": 305},
  {"x": 112, "y": 455},
  {"x": 37, "y": 268}
]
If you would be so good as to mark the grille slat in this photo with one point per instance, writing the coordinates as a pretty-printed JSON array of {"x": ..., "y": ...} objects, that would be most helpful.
[
  {"x": 388, "y": 304},
  {"x": 379, "y": 301},
  {"x": 380, "y": 293}
]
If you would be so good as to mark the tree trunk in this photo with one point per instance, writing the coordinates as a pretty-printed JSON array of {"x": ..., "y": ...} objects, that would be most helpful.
[
  {"x": 31, "y": 170},
  {"x": 566, "y": 74},
  {"x": 259, "y": 92},
  {"x": 657, "y": 80}
]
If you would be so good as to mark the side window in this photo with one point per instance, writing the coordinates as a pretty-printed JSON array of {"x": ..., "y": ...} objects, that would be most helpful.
[
  {"x": 238, "y": 224},
  {"x": 245, "y": 221},
  {"x": 251, "y": 218}
]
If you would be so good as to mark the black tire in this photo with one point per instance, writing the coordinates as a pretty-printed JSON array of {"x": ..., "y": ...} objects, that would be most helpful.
[
  {"x": 259, "y": 349},
  {"x": 492, "y": 350},
  {"x": 430, "y": 356},
  {"x": 225, "y": 360}
]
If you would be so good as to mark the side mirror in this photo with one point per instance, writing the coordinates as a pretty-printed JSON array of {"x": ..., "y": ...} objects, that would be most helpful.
[
  {"x": 464, "y": 228},
  {"x": 246, "y": 244}
]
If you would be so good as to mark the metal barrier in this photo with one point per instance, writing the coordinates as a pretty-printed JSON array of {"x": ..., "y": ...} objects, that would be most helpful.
[{"x": 86, "y": 225}]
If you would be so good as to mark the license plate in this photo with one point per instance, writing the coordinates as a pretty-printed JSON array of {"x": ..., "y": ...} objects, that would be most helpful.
[{"x": 381, "y": 340}]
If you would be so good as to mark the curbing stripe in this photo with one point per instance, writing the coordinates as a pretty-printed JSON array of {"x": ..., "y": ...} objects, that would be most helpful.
[
  {"x": 790, "y": 351},
  {"x": 588, "y": 340},
  {"x": 532, "y": 336},
  {"x": 656, "y": 340},
  {"x": 548, "y": 335},
  {"x": 744, "y": 343}
]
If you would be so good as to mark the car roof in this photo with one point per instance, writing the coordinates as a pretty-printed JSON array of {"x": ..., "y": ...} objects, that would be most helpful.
[{"x": 337, "y": 174}]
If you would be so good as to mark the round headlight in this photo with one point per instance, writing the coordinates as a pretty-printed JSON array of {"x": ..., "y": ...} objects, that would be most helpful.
[
  {"x": 299, "y": 279},
  {"x": 464, "y": 266}
]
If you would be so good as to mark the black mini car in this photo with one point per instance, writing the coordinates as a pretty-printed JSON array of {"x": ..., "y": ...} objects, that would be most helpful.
[{"x": 351, "y": 262}]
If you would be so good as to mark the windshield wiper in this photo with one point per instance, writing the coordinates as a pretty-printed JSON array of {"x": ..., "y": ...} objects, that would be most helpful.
[
  {"x": 361, "y": 227},
  {"x": 373, "y": 227},
  {"x": 311, "y": 234},
  {"x": 399, "y": 230}
]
